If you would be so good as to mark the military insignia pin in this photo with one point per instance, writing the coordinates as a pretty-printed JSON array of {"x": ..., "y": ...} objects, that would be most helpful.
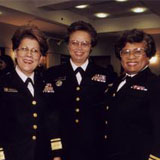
[
  {"x": 99, "y": 78},
  {"x": 59, "y": 83},
  {"x": 48, "y": 88},
  {"x": 10, "y": 90}
]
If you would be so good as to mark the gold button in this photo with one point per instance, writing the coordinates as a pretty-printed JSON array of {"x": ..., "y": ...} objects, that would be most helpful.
[
  {"x": 78, "y": 88},
  {"x": 106, "y": 122},
  {"x": 34, "y": 137},
  {"x": 77, "y": 99},
  {"x": 34, "y": 102},
  {"x": 77, "y": 120},
  {"x": 77, "y": 109},
  {"x": 35, "y": 115},
  {"x": 34, "y": 126},
  {"x": 114, "y": 95},
  {"x": 105, "y": 136},
  {"x": 107, "y": 107}
]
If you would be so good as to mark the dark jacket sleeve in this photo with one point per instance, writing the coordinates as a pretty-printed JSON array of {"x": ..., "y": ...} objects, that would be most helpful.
[{"x": 155, "y": 116}]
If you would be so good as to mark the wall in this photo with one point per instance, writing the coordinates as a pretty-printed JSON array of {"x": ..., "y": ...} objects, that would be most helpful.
[{"x": 105, "y": 47}]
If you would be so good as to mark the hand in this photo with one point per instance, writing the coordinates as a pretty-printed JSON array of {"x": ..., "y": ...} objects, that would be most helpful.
[{"x": 57, "y": 158}]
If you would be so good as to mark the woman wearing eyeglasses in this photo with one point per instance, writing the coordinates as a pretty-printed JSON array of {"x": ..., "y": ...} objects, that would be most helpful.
[
  {"x": 23, "y": 108},
  {"x": 133, "y": 101},
  {"x": 79, "y": 85}
]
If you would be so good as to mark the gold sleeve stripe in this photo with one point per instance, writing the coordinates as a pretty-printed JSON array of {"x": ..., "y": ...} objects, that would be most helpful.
[
  {"x": 2, "y": 157},
  {"x": 154, "y": 157},
  {"x": 56, "y": 145},
  {"x": 150, "y": 159},
  {"x": 56, "y": 139}
]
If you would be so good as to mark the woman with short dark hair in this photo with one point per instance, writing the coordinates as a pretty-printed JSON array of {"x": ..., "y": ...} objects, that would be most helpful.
[{"x": 23, "y": 106}]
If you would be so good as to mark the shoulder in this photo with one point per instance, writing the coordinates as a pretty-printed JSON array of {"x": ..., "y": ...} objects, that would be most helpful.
[
  {"x": 153, "y": 81},
  {"x": 7, "y": 78},
  {"x": 55, "y": 71}
]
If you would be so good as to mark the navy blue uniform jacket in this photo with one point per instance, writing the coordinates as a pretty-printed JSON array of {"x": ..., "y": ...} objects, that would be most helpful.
[
  {"x": 134, "y": 123},
  {"x": 23, "y": 134},
  {"x": 80, "y": 110}
]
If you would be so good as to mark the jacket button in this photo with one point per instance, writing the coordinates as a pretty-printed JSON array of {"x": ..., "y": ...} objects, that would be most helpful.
[
  {"x": 105, "y": 136},
  {"x": 35, "y": 115},
  {"x": 106, "y": 122},
  {"x": 107, "y": 107},
  {"x": 77, "y": 120},
  {"x": 77, "y": 110},
  {"x": 35, "y": 127},
  {"x": 34, "y": 137},
  {"x": 77, "y": 99},
  {"x": 34, "y": 102},
  {"x": 78, "y": 88}
]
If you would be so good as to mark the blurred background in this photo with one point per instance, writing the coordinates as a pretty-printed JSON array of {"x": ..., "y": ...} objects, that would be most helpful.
[{"x": 53, "y": 17}]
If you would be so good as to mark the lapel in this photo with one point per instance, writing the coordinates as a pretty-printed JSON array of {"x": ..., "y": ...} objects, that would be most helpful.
[
  {"x": 16, "y": 82},
  {"x": 70, "y": 75},
  {"x": 88, "y": 74},
  {"x": 38, "y": 84}
]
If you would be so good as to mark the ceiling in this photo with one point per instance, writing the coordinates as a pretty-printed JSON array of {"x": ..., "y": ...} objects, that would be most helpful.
[
  {"x": 53, "y": 16},
  {"x": 115, "y": 9}
]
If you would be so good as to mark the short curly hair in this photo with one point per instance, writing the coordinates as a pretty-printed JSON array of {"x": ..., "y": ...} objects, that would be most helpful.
[
  {"x": 136, "y": 36},
  {"x": 84, "y": 26},
  {"x": 33, "y": 32}
]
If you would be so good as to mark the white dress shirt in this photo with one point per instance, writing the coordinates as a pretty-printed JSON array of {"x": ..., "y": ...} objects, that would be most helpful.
[
  {"x": 83, "y": 66},
  {"x": 24, "y": 78}
]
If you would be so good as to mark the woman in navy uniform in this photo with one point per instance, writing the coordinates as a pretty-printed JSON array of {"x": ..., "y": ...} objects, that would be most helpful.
[
  {"x": 79, "y": 86},
  {"x": 133, "y": 101},
  {"x": 23, "y": 134}
]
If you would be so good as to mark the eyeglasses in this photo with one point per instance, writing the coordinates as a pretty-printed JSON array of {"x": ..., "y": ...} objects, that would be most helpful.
[
  {"x": 24, "y": 50},
  {"x": 83, "y": 44},
  {"x": 137, "y": 52}
]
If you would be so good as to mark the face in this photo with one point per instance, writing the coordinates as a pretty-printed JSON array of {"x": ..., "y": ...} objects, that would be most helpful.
[
  {"x": 79, "y": 46},
  {"x": 134, "y": 61},
  {"x": 28, "y": 55},
  {"x": 2, "y": 65}
]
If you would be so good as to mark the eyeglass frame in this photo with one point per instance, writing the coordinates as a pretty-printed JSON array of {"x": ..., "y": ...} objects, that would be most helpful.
[
  {"x": 141, "y": 52},
  {"x": 24, "y": 50},
  {"x": 83, "y": 44}
]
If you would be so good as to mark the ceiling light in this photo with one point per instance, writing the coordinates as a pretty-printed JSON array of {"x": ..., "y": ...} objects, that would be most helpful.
[
  {"x": 138, "y": 9},
  {"x": 121, "y": 0},
  {"x": 101, "y": 15},
  {"x": 82, "y": 6}
]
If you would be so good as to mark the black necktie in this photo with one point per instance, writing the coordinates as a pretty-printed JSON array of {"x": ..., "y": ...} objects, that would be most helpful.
[
  {"x": 28, "y": 80},
  {"x": 80, "y": 70},
  {"x": 127, "y": 78}
]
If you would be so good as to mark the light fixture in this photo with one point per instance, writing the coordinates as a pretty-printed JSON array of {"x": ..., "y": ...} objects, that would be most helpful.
[
  {"x": 138, "y": 9},
  {"x": 82, "y": 6},
  {"x": 1, "y": 12},
  {"x": 153, "y": 60},
  {"x": 101, "y": 15},
  {"x": 121, "y": 0}
]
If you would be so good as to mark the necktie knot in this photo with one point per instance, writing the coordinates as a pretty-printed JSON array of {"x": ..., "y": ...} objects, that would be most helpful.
[
  {"x": 80, "y": 70},
  {"x": 28, "y": 80},
  {"x": 127, "y": 78}
]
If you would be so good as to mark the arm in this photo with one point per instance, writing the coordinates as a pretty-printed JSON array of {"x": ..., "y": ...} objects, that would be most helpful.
[
  {"x": 57, "y": 158},
  {"x": 155, "y": 110}
]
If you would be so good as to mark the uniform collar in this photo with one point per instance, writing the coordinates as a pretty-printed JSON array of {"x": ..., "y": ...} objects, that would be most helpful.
[
  {"x": 83, "y": 66},
  {"x": 23, "y": 76},
  {"x": 132, "y": 75}
]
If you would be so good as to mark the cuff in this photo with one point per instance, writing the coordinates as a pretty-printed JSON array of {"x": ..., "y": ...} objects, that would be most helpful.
[
  {"x": 152, "y": 157},
  {"x": 2, "y": 156},
  {"x": 56, "y": 144}
]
